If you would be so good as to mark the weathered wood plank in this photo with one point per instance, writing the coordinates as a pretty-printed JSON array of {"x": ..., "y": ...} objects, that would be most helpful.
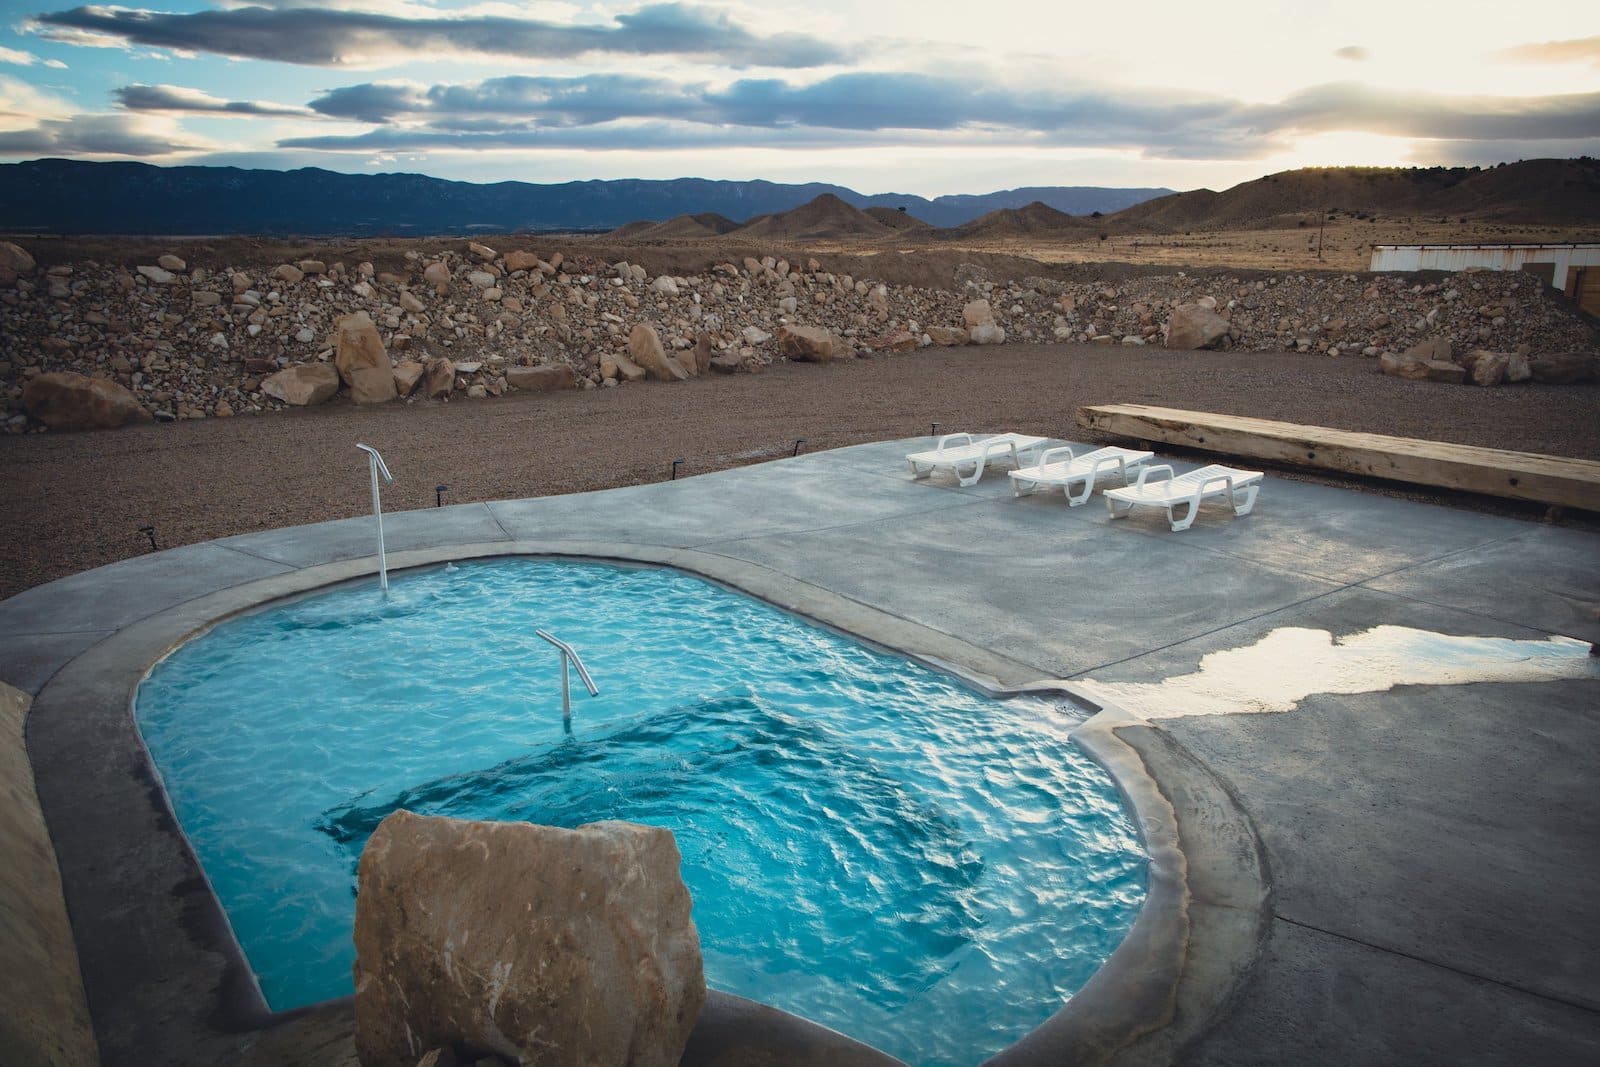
[{"x": 1557, "y": 480}]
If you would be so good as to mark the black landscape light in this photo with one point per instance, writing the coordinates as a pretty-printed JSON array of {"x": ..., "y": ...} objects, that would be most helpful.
[
  {"x": 798, "y": 441},
  {"x": 438, "y": 495},
  {"x": 933, "y": 429},
  {"x": 150, "y": 532},
  {"x": 675, "y": 468}
]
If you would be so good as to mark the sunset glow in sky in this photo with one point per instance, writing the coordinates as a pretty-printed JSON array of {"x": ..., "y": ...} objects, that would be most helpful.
[{"x": 896, "y": 96}]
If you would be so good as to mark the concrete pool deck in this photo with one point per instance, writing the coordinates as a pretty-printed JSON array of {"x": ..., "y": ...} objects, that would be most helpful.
[{"x": 1405, "y": 875}]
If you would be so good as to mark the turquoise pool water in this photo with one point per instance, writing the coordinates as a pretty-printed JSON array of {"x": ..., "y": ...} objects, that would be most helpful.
[{"x": 868, "y": 843}]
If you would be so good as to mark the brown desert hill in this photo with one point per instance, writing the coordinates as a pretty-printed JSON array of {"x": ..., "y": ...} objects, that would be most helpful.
[
  {"x": 826, "y": 217},
  {"x": 637, "y": 228},
  {"x": 705, "y": 224},
  {"x": 897, "y": 218},
  {"x": 1035, "y": 220},
  {"x": 1538, "y": 191}
]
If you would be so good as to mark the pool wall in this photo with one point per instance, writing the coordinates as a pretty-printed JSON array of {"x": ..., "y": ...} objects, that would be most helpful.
[{"x": 166, "y": 980}]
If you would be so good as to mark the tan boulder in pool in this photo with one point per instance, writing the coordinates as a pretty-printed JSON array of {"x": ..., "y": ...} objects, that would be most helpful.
[{"x": 538, "y": 944}]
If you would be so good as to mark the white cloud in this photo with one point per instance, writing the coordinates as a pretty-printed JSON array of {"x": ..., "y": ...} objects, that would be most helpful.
[
  {"x": 20, "y": 59},
  {"x": 93, "y": 135}
]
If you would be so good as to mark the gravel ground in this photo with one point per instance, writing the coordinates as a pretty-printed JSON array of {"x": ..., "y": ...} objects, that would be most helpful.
[{"x": 76, "y": 501}]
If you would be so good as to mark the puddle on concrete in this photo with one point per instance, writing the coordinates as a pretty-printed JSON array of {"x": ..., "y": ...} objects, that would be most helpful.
[{"x": 1290, "y": 664}]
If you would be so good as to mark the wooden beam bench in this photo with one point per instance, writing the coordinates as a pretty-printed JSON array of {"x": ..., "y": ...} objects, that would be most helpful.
[{"x": 1553, "y": 480}]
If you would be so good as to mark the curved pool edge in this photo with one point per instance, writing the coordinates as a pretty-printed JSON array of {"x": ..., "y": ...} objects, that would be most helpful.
[{"x": 180, "y": 991}]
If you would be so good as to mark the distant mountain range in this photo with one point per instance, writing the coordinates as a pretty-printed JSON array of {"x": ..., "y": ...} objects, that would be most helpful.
[
  {"x": 73, "y": 196},
  {"x": 1551, "y": 192}
]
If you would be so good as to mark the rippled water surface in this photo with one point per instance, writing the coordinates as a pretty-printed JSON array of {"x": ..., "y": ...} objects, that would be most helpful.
[{"x": 868, "y": 843}]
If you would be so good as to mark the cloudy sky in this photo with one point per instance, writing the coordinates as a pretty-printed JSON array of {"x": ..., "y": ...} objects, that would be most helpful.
[{"x": 915, "y": 96}]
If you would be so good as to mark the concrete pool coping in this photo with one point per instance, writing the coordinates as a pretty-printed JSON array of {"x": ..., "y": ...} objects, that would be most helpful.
[{"x": 163, "y": 984}]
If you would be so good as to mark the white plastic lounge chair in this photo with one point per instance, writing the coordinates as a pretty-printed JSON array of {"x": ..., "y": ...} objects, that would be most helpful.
[
  {"x": 958, "y": 450},
  {"x": 1058, "y": 466},
  {"x": 1173, "y": 492}
]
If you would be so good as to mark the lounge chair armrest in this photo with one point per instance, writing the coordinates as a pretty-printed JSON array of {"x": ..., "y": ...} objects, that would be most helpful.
[
  {"x": 1050, "y": 455},
  {"x": 998, "y": 446},
  {"x": 1224, "y": 480},
  {"x": 947, "y": 439},
  {"x": 1147, "y": 471},
  {"x": 1109, "y": 463}
]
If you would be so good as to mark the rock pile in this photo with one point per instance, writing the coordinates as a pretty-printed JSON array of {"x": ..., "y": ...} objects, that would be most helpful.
[
  {"x": 189, "y": 343},
  {"x": 1435, "y": 360}
]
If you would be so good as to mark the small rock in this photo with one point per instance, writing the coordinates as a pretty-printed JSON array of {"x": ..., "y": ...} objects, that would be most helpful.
[
  {"x": 544, "y": 379},
  {"x": 407, "y": 373},
  {"x": 437, "y": 275},
  {"x": 302, "y": 383},
  {"x": 438, "y": 378},
  {"x": 516, "y": 261},
  {"x": 288, "y": 273},
  {"x": 171, "y": 262},
  {"x": 156, "y": 275},
  {"x": 948, "y": 335},
  {"x": 810, "y": 344}
]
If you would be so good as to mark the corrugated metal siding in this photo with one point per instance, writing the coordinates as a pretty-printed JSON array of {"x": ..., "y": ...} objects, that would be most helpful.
[{"x": 1561, "y": 258}]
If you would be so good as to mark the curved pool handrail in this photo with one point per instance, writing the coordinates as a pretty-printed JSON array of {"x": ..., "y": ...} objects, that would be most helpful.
[
  {"x": 378, "y": 466},
  {"x": 568, "y": 654}
]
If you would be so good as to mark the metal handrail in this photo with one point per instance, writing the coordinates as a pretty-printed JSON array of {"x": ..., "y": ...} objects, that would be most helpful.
[
  {"x": 568, "y": 653},
  {"x": 378, "y": 466}
]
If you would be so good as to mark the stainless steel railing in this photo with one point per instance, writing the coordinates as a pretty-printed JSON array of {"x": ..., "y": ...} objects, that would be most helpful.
[
  {"x": 378, "y": 466},
  {"x": 568, "y": 654}
]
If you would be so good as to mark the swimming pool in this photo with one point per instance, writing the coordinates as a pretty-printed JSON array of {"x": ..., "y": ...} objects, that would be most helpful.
[{"x": 869, "y": 843}]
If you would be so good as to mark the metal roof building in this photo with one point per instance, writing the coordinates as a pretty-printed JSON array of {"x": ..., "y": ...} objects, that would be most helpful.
[{"x": 1572, "y": 268}]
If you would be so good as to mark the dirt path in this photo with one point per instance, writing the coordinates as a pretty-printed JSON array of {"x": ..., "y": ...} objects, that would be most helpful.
[{"x": 75, "y": 501}]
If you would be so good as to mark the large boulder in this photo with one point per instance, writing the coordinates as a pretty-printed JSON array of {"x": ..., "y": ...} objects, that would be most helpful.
[
  {"x": 407, "y": 373},
  {"x": 303, "y": 384},
  {"x": 533, "y": 943},
  {"x": 645, "y": 348},
  {"x": 362, "y": 360},
  {"x": 545, "y": 379},
  {"x": 1434, "y": 348},
  {"x": 808, "y": 344},
  {"x": 976, "y": 313},
  {"x": 438, "y": 378},
  {"x": 15, "y": 260},
  {"x": 1564, "y": 368},
  {"x": 948, "y": 335},
  {"x": 987, "y": 333},
  {"x": 1484, "y": 367},
  {"x": 1191, "y": 327},
  {"x": 616, "y": 365},
  {"x": 1402, "y": 365},
  {"x": 65, "y": 400}
]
